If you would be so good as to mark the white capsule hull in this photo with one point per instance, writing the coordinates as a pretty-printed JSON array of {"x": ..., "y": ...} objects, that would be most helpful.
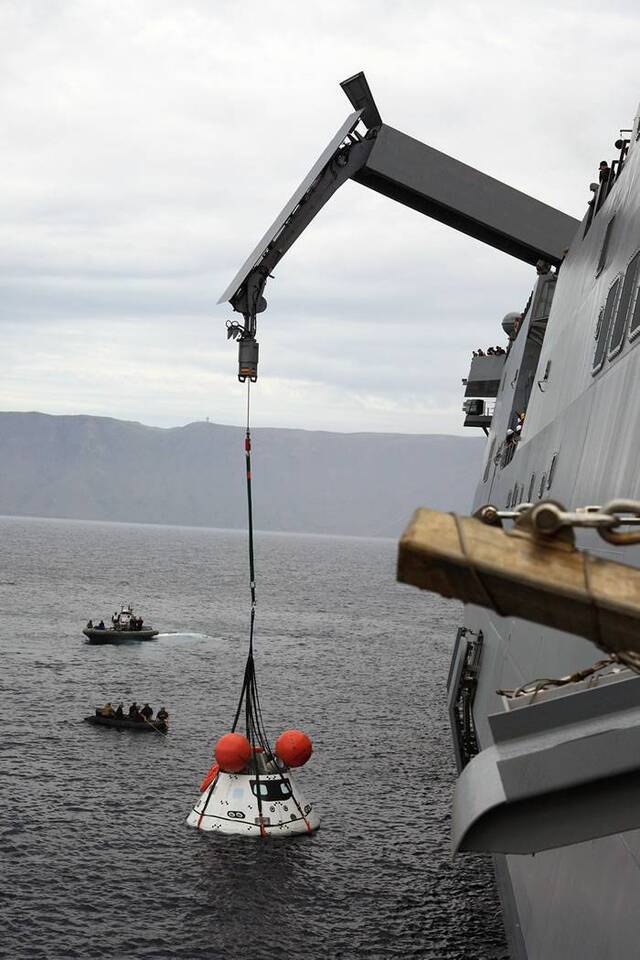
[{"x": 230, "y": 805}]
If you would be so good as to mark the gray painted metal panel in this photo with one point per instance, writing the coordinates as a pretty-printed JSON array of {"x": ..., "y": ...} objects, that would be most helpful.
[
  {"x": 450, "y": 191},
  {"x": 575, "y": 901},
  {"x": 484, "y": 376},
  {"x": 347, "y": 127},
  {"x": 561, "y": 772},
  {"x": 358, "y": 92}
]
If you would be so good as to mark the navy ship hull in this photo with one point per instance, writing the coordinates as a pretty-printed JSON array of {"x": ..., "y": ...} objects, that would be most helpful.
[{"x": 573, "y": 368}]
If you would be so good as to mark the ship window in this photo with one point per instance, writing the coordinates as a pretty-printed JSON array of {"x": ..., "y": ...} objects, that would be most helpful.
[
  {"x": 634, "y": 311},
  {"x": 622, "y": 313},
  {"x": 487, "y": 468},
  {"x": 598, "y": 325},
  {"x": 508, "y": 503},
  {"x": 543, "y": 481},
  {"x": 552, "y": 470},
  {"x": 545, "y": 298},
  {"x": 604, "y": 325},
  {"x": 531, "y": 486},
  {"x": 602, "y": 259}
]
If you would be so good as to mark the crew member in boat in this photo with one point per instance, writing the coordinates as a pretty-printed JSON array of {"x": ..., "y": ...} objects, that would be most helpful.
[
  {"x": 101, "y": 626},
  {"x": 119, "y": 714},
  {"x": 162, "y": 716},
  {"x": 134, "y": 711},
  {"x": 106, "y": 711},
  {"x": 89, "y": 624},
  {"x": 147, "y": 712}
]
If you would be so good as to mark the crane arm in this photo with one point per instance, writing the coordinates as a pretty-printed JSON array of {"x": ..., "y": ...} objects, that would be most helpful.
[{"x": 412, "y": 173}]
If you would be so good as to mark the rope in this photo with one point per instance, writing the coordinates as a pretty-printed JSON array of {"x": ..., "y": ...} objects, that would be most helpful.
[
  {"x": 536, "y": 686},
  {"x": 206, "y": 802},
  {"x": 252, "y": 571},
  {"x": 162, "y": 733},
  {"x": 249, "y": 697}
]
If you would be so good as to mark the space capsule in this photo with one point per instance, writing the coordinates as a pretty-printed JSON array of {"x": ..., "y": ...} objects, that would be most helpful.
[{"x": 252, "y": 793}]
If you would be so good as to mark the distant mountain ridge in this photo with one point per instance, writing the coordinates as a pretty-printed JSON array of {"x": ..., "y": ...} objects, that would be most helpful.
[{"x": 98, "y": 468}]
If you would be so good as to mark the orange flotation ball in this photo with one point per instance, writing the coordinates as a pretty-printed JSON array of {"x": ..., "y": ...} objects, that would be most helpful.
[
  {"x": 233, "y": 752},
  {"x": 294, "y": 748}
]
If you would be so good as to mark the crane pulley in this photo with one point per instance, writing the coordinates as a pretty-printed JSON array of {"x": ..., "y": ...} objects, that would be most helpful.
[{"x": 248, "y": 348}]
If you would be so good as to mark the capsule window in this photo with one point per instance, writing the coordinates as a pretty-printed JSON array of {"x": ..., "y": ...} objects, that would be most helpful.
[
  {"x": 272, "y": 789},
  {"x": 552, "y": 470},
  {"x": 543, "y": 481}
]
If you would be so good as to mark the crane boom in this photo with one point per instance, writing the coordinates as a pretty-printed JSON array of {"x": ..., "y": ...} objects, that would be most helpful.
[
  {"x": 412, "y": 173},
  {"x": 456, "y": 194}
]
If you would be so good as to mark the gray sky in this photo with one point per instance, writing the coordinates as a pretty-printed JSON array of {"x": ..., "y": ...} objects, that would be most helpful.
[{"x": 147, "y": 144}]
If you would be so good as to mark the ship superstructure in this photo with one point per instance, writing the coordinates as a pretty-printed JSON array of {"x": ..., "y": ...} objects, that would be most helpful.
[{"x": 559, "y": 404}]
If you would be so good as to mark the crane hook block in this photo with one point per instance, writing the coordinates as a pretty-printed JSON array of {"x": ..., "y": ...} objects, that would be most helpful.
[{"x": 248, "y": 360}]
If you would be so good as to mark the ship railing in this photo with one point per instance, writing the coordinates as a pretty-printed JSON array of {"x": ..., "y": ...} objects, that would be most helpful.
[{"x": 603, "y": 189}]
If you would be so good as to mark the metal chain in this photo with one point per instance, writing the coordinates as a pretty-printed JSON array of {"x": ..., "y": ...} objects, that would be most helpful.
[{"x": 549, "y": 518}]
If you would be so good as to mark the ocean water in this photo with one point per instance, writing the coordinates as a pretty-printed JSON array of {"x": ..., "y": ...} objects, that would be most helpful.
[{"x": 97, "y": 858}]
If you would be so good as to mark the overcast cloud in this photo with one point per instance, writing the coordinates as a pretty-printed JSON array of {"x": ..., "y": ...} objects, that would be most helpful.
[{"x": 147, "y": 145}]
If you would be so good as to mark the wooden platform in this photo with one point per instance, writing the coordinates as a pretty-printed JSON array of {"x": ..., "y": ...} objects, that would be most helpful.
[{"x": 518, "y": 575}]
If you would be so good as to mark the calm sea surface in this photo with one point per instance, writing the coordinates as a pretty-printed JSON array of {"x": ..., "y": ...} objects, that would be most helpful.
[{"x": 97, "y": 858}]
